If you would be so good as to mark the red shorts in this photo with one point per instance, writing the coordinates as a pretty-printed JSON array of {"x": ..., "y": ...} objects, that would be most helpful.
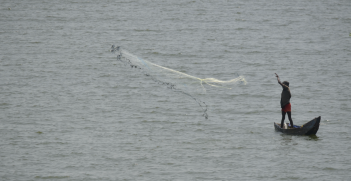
[{"x": 287, "y": 108}]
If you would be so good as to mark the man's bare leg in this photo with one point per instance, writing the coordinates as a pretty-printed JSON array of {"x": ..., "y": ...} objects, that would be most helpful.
[
  {"x": 291, "y": 121},
  {"x": 283, "y": 118}
]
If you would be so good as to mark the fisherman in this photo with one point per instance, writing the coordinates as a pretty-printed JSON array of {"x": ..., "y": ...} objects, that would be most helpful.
[{"x": 285, "y": 102}]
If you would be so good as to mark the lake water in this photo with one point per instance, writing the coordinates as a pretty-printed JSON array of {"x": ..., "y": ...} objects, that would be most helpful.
[{"x": 70, "y": 111}]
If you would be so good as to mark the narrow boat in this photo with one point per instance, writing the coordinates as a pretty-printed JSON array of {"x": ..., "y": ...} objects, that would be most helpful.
[{"x": 309, "y": 128}]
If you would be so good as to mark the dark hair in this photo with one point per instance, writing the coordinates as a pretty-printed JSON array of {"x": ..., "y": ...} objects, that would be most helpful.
[{"x": 286, "y": 83}]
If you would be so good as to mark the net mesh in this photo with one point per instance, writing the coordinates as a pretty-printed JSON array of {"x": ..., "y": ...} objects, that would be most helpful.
[{"x": 173, "y": 79}]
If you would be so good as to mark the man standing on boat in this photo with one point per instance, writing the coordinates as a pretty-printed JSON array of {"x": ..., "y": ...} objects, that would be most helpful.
[{"x": 285, "y": 101}]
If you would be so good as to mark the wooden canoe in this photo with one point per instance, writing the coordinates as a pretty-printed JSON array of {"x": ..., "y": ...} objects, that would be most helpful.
[{"x": 309, "y": 128}]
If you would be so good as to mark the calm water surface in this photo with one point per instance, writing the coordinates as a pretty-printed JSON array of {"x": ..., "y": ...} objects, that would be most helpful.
[{"x": 70, "y": 111}]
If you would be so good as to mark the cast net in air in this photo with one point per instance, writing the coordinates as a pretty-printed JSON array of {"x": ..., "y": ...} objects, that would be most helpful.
[{"x": 173, "y": 79}]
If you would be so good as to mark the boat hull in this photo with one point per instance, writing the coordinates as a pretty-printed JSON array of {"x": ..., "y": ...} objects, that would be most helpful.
[{"x": 309, "y": 128}]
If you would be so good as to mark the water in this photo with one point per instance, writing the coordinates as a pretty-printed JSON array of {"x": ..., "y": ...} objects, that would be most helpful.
[{"x": 70, "y": 111}]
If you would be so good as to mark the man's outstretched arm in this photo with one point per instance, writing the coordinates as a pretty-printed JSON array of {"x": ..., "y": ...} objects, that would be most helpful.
[{"x": 284, "y": 86}]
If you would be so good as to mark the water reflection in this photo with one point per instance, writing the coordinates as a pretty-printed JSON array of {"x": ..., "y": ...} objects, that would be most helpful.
[
  {"x": 287, "y": 140},
  {"x": 312, "y": 137}
]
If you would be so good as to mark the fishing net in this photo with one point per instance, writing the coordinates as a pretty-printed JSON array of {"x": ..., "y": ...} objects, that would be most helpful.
[{"x": 173, "y": 79}]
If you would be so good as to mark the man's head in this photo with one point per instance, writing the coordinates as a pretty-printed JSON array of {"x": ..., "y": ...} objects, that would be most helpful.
[{"x": 286, "y": 83}]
